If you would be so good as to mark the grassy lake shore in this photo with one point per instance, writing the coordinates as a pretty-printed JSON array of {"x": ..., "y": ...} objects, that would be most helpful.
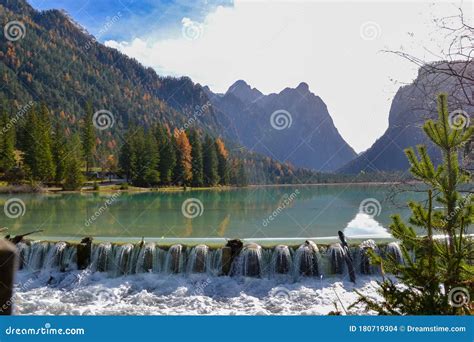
[{"x": 112, "y": 188}]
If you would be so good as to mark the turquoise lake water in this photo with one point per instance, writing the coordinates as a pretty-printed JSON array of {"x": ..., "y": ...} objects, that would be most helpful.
[{"x": 250, "y": 213}]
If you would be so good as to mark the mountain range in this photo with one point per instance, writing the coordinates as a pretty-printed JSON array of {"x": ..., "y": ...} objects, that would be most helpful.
[
  {"x": 412, "y": 105},
  {"x": 59, "y": 63},
  {"x": 291, "y": 126}
]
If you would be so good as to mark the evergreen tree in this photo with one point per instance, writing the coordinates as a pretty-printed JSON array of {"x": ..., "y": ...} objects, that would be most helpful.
[
  {"x": 241, "y": 175},
  {"x": 59, "y": 153},
  {"x": 437, "y": 272},
  {"x": 167, "y": 154},
  {"x": 152, "y": 175},
  {"x": 222, "y": 165},
  {"x": 7, "y": 142},
  {"x": 38, "y": 156},
  {"x": 144, "y": 159},
  {"x": 74, "y": 178},
  {"x": 88, "y": 137},
  {"x": 197, "y": 161},
  {"x": 126, "y": 155},
  {"x": 210, "y": 163},
  {"x": 183, "y": 168}
]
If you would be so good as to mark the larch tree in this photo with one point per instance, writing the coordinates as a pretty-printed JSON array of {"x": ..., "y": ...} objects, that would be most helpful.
[
  {"x": 183, "y": 169},
  {"x": 88, "y": 137},
  {"x": 222, "y": 163}
]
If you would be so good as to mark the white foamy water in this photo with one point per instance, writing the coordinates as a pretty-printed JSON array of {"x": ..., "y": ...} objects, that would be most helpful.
[{"x": 87, "y": 293}]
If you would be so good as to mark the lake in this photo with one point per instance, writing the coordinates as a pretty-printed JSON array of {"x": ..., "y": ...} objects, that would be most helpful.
[{"x": 249, "y": 213}]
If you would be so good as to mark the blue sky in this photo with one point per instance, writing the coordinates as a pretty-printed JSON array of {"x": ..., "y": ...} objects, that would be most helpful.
[
  {"x": 137, "y": 17},
  {"x": 335, "y": 46}
]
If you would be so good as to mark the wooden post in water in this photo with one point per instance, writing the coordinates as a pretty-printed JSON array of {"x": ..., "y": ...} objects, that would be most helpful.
[
  {"x": 8, "y": 259},
  {"x": 84, "y": 250}
]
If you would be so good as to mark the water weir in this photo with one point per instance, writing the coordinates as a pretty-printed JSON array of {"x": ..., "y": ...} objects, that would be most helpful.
[{"x": 235, "y": 259}]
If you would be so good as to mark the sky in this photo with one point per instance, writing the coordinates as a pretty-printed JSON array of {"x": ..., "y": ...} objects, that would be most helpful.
[{"x": 337, "y": 47}]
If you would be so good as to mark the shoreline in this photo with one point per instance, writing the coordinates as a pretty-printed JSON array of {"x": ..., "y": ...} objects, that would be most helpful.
[{"x": 22, "y": 189}]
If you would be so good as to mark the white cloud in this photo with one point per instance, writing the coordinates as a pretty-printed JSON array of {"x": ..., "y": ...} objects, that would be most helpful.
[{"x": 333, "y": 46}]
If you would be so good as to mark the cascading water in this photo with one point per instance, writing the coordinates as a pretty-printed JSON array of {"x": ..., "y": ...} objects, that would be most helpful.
[
  {"x": 249, "y": 262},
  {"x": 307, "y": 259},
  {"x": 122, "y": 259},
  {"x": 146, "y": 258},
  {"x": 393, "y": 250},
  {"x": 174, "y": 259},
  {"x": 281, "y": 260},
  {"x": 365, "y": 266},
  {"x": 336, "y": 257},
  {"x": 252, "y": 260},
  {"x": 199, "y": 260},
  {"x": 102, "y": 257}
]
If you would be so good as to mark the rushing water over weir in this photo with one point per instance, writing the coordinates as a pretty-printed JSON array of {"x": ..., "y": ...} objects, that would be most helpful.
[{"x": 251, "y": 260}]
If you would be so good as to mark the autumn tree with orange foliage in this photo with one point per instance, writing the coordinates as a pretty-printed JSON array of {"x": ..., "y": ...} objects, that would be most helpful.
[
  {"x": 222, "y": 164},
  {"x": 183, "y": 170}
]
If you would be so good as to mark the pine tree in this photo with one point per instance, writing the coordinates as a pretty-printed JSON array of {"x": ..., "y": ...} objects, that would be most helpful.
[
  {"x": 241, "y": 175},
  {"x": 7, "y": 142},
  {"x": 222, "y": 165},
  {"x": 38, "y": 156},
  {"x": 152, "y": 175},
  {"x": 437, "y": 271},
  {"x": 167, "y": 154},
  {"x": 59, "y": 153},
  {"x": 197, "y": 161},
  {"x": 126, "y": 155},
  {"x": 88, "y": 137},
  {"x": 183, "y": 169},
  {"x": 210, "y": 163},
  {"x": 74, "y": 178}
]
